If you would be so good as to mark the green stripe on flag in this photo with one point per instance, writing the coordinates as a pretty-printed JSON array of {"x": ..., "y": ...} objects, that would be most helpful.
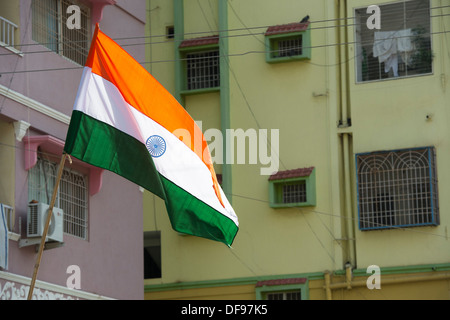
[
  {"x": 102, "y": 145},
  {"x": 192, "y": 216}
]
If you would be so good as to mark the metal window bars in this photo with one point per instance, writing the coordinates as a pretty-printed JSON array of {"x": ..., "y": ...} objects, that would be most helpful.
[
  {"x": 290, "y": 47},
  {"x": 397, "y": 189},
  {"x": 50, "y": 28},
  {"x": 72, "y": 195},
  {"x": 294, "y": 193},
  {"x": 287, "y": 295},
  {"x": 203, "y": 70},
  {"x": 73, "y": 201},
  {"x": 402, "y": 47}
]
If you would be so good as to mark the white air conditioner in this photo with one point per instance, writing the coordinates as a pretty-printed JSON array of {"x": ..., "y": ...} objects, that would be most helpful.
[{"x": 37, "y": 217}]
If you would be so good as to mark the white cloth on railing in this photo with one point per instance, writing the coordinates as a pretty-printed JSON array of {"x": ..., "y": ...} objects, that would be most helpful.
[
  {"x": 4, "y": 243},
  {"x": 388, "y": 45}
]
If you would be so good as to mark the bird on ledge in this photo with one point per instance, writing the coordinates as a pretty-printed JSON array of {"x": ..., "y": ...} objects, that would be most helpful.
[{"x": 305, "y": 19}]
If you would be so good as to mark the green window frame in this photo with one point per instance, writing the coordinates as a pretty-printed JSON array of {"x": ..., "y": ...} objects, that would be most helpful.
[
  {"x": 293, "y": 192},
  {"x": 284, "y": 47},
  {"x": 270, "y": 289},
  {"x": 207, "y": 77}
]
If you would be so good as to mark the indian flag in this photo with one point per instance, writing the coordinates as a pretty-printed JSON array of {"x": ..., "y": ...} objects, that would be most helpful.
[{"x": 126, "y": 122}]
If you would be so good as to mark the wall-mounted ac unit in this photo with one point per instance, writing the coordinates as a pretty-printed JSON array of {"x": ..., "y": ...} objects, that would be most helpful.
[{"x": 37, "y": 217}]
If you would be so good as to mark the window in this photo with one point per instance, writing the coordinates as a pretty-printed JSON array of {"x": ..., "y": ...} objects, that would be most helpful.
[
  {"x": 289, "y": 47},
  {"x": 152, "y": 254},
  {"x": 282, "y": 289},
  {"x": 397, "y": 189},
  {"x": 203, "y": 70},
  {"x": 170, "y": 32},
  {"x": 293, "y": 188},
  {"x": 201, "y": 64},
  {"x": 288, "y": 42},
  {"x": 50, "y": 29},
  {"x": 284, "y": 295},
  {"x": 401, "y": 48},
  {"x": 72, "y": 194}
]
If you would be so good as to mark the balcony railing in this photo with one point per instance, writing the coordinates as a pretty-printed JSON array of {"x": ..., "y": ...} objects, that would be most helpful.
[{"x": 7, "y": 32}]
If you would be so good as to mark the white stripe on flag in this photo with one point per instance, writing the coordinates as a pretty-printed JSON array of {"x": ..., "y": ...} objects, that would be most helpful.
[{"x": 178, "y": 164}]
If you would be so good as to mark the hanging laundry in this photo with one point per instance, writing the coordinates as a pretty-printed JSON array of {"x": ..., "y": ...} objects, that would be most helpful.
[{"x": 389, "y": 44}]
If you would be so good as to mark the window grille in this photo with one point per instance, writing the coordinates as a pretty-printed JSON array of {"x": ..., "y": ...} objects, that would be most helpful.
[
  {"x": 72, "y": 195},
  {"x": 293, "y": 188},
  {"x": 294, "y": 193},
  {"x": 288, "y": 295},
  {"x": 397, "y": 189},
  {"x": 203, "y": 70},
  {"x": 50, "y": 28},
  {"x": 401, "y": 48},
  {"x": 290, "y": 47}
]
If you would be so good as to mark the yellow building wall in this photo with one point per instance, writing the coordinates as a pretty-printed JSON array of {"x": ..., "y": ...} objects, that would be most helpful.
[
  {"x": 302, "y": 100},
  {"x": 201, "y": 18},
  {"x": 10, "y": 11},
  {"x": 390, "y": 115},
  {"x": 246, "y": 292},
  {"x": 159, "y": 49},
  {"x": 8, "y": 163},
  {"x": 291, "y": 98}
]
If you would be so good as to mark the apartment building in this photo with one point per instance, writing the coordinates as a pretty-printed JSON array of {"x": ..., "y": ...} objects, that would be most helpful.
[
  {"x": 328, "y": 124},
  {"x": 94, "y": 247}
]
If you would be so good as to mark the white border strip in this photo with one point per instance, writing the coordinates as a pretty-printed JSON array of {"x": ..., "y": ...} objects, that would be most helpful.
[
  {"x": 51, "y": 287},
  {"x": 35, "y": 105}
]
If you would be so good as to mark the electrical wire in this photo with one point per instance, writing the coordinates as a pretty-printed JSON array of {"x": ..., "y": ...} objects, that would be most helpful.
[
  {"x": 219, "y": 56},
  {"x": 218, "y": 31},
  {"x": 209, "y": 33}
]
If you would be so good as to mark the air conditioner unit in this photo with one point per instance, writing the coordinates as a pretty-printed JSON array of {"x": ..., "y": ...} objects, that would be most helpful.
[{"x": 37, "y": 217}]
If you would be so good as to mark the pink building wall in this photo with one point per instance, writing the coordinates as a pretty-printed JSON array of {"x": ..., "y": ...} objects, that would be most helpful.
[{"x": 111, "y": 260}]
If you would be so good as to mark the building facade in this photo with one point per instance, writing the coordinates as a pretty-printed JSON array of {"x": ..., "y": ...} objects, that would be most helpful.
[
  {"x": 327, "y": 122},
  {"x": 94, "y": 248}
]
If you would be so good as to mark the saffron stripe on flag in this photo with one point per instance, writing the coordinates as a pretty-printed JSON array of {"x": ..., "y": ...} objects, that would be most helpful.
[
  {"x": 104, "y": 146},
  {"x": 119, "y": 111},
  {"x": 188, "y": 172}
]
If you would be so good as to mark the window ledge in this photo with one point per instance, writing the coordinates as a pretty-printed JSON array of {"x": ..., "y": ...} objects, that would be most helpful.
[
  {"x": 12, "y": 49},
  {"x": 13, "y": 236},
  {"x": 281, "y": 178},
  {"x": 412, "y": 76},
  {"x": 274, "y": 34},
  {"x": 199, "y": 91},
  {"x": 55, "y": 146}
]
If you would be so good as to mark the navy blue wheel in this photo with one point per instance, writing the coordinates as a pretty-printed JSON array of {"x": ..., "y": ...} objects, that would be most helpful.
[{"x": 156, "y": 145}]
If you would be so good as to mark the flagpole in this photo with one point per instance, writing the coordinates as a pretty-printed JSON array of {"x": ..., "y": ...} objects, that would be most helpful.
[{"x": 47, "y": 224}]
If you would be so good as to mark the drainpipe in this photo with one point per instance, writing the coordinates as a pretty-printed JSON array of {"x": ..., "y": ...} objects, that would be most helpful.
[
  {"x": 225, "y": 112},
  {"x": 178, "y": 24},
  {"x": 349, "y": 233},
  {"x": 395, "y": 280},
  {"x": 345, "y": 130},
  {"x": 328, "y": 285}
]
